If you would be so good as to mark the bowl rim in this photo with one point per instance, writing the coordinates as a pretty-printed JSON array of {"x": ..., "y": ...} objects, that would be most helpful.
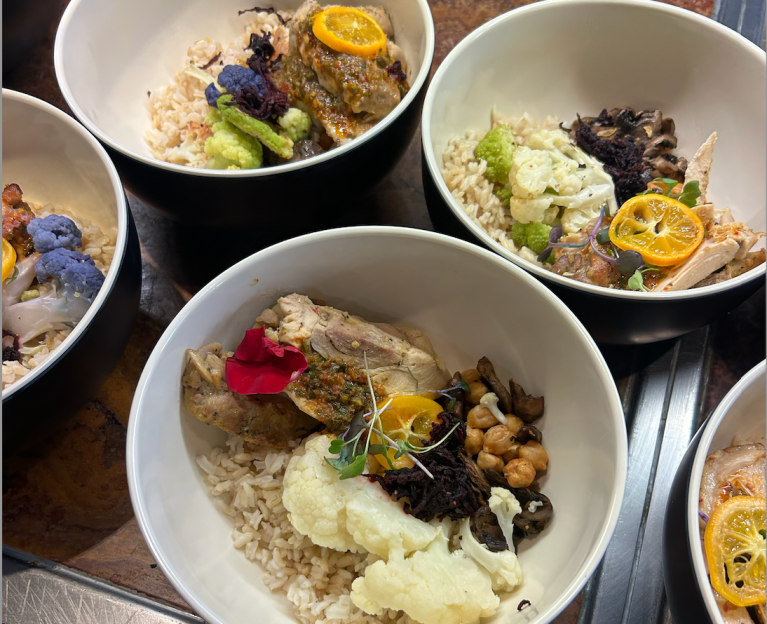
[
  {"x": 755, "y": 376},
  {"x": 415, "y": 88},
  {"x": 121, "y": 242},
  {"x": 621, "y": 444},
  {"x": 433, "y": 167}
]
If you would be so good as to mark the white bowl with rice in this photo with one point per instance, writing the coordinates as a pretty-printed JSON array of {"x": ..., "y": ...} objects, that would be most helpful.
[
  {"x": 138, "y": 108},
  {"x": 512, "y": 64},
  {"x": 206, "y": 508},
  {"x": 62, "y": 169}
]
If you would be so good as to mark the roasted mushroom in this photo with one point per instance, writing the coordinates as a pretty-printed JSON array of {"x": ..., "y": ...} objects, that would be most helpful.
[
  {"x": 454, "y": 396},
  {"x": 529, "y": 408},
  {"x": 487, "y": 531},
  {"x": 527, "y": 433},
  {"x": 486, "y": 369},
  {"x": 536, "y": 511}
]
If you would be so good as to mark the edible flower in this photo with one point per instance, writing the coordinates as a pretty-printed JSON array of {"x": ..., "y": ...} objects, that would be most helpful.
[{"x": 261, "y": 366}]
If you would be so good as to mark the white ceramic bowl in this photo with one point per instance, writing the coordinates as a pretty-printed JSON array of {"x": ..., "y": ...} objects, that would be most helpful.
[
  {"x": 471, "y": 303},
  {"x": 109, "y": 53},
  {"x": 568, "y": 57},
  {"x": 741, "y": 417},
  {"x": 55, "y": 160}
]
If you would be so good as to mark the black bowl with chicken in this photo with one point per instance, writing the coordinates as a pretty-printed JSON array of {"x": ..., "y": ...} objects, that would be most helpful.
[
  {"x": 54, "y": 160},
  {"x": 352, "y": 153}
]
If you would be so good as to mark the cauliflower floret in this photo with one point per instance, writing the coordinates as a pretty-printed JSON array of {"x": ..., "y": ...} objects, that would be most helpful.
[
  {"x": 583, "y": 207},
  {"x": 54, "y": 231},
  {"x": 505, "y": 506},
  {"x": 296, "y": 124},
  {"x": 230, "y": 147},
  {"x": 496, "y": 149},
  {"x": 347, "y": 514},
  {"x": 433, "y": 586},
  {"x": 503, "y": 566},
  {"x": 565, "y": 180},
  {"x": 531, "y": 172},
  {"x": 533, "y": 210}
]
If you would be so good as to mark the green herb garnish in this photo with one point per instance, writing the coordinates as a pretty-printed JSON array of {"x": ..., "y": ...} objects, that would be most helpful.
[{"x": 688, "y": 196}]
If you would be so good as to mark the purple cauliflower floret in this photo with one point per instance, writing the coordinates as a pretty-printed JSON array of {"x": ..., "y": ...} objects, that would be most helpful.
[
  {"x": 54, "y": 232},
  {"x": 235, "y": 77},
  {"x": 76, "y": 273},
  {"x": 212, "y": 94}
]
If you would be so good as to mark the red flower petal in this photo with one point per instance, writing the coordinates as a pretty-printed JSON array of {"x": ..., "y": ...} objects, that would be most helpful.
[{"x": 261, "y": 366}]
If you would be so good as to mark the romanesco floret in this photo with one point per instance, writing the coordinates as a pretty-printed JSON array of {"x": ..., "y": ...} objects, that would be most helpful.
[
  {"x": 54, "y": 231},
  {"x": 534, "y": 236},
  {"x": 497, "y": 149},
  {"x": 230, "y": 147},
  {"x": 503, "y": 193},
  {"x": 279, "y": 144},
  {"x": 433, "y": 586},
  {"x": 296, "y": 124}
]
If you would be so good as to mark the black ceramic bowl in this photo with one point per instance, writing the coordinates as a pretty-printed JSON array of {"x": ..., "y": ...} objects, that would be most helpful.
[
  {"x": 109, "y": 54},
  {"x": 738, "y": 418},
  {"x": 55, "y": 160},
  {"x": 533, "y": 60}
]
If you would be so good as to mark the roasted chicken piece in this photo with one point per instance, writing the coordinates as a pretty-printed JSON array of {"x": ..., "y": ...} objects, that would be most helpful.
[
  {"x": 733, "y": 471},
  {"x": 364, "y": 84},
  {"x": 296, "y": 79},
  {"x": 16, "y": 216},
  {"x": 271, "y": 419},
  {"x": 400, "y": 360}
]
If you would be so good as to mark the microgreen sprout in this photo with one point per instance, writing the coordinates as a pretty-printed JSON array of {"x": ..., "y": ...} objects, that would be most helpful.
[
  {"x": 688, "y": 196},
  {"x": 703, "y": 516},
  {"x": 636, "y": 281},
  {"x": 352, "y": 454}
]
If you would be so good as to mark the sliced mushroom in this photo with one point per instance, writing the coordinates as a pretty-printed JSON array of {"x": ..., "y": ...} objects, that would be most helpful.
[
  {"x": 486, "y": 369},
  {"x": 478, "y": 478},
  {"x": 667, "y": 166},
  {"x": 527, "y": 433},
  {"x": 486, "y": 530},
  {"x": 536, "y": 511},
  {"x": 658, "y": 145},
  {"x": 527, "y": 407}
]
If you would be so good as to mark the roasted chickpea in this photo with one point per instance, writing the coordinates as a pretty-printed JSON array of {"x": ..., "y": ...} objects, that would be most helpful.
[
  {"x": 481, "y": 418},
  {"x": 473, "y": 444},
  {"x": 478, "y": 390},
  {"x": 535, "y": 454},
  {"x": 513, "y": 452},
  {"x": 487, "y": 461},
  {"x": 470, "y": 375},
  {"x": 514, "y": 423},
  {"x": 497, "y": 440},
  {"x": 519, "y": 473}
]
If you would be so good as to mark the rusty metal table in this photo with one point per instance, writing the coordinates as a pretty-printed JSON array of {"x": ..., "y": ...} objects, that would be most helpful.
[{"x": 72, "y": 549}]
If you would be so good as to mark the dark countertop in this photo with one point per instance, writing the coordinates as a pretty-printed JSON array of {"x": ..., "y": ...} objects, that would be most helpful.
[{"x": 68, "y": 500}]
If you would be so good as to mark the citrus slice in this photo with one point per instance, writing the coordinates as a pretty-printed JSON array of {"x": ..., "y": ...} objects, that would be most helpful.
[
  {"x": 735, "y": 549},
  {"x": 9, "y": 259},
  {"x": 663, "y": 230},
  {"x": 408, "y": 418},
  {"x": 349, "y": 30}
]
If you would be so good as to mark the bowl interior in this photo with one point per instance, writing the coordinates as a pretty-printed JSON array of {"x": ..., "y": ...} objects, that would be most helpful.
[
  {"x": 109, "y": 54},
  {"x": 604, "y": 63},
  {"x": 739, "y": 418},
  {"x": 55, "y": 161},
  {"x": 468, "y": 301}
]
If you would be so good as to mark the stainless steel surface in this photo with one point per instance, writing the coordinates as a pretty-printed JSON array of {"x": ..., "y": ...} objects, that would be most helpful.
[{"x": 37, "y": 591}]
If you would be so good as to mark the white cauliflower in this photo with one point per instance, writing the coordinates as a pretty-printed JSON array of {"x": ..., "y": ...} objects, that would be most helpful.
[
  {"x": 583, "y": 207},
  {"x": 531, "y": 172},
  {"x": 565, "y": 179},
  {"x": 503, "y": 566},
  {"x": 531, "y": 210},
  {"x": 353, "y": 514},
  {"x": 505, "y": 506},
  {"x": 433, "y": 586}
]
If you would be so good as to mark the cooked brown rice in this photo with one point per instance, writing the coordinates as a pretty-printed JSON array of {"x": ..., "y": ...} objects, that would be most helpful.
[
  {"x": 178, "y": 110},
  {"x": 99, "y": 245},
  {"x": 246, "y": 481},
  {"x": 464, "y": 176}
]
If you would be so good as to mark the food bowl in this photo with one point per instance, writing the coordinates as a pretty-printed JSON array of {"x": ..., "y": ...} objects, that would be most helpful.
[
  {"x": 467, "y": 299},
  {"x": 532, "y": 59},
  {"x": 741, "y": 415},
  {"x": 55, "y": 160},
  {"x": 109, "y": 53}
]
